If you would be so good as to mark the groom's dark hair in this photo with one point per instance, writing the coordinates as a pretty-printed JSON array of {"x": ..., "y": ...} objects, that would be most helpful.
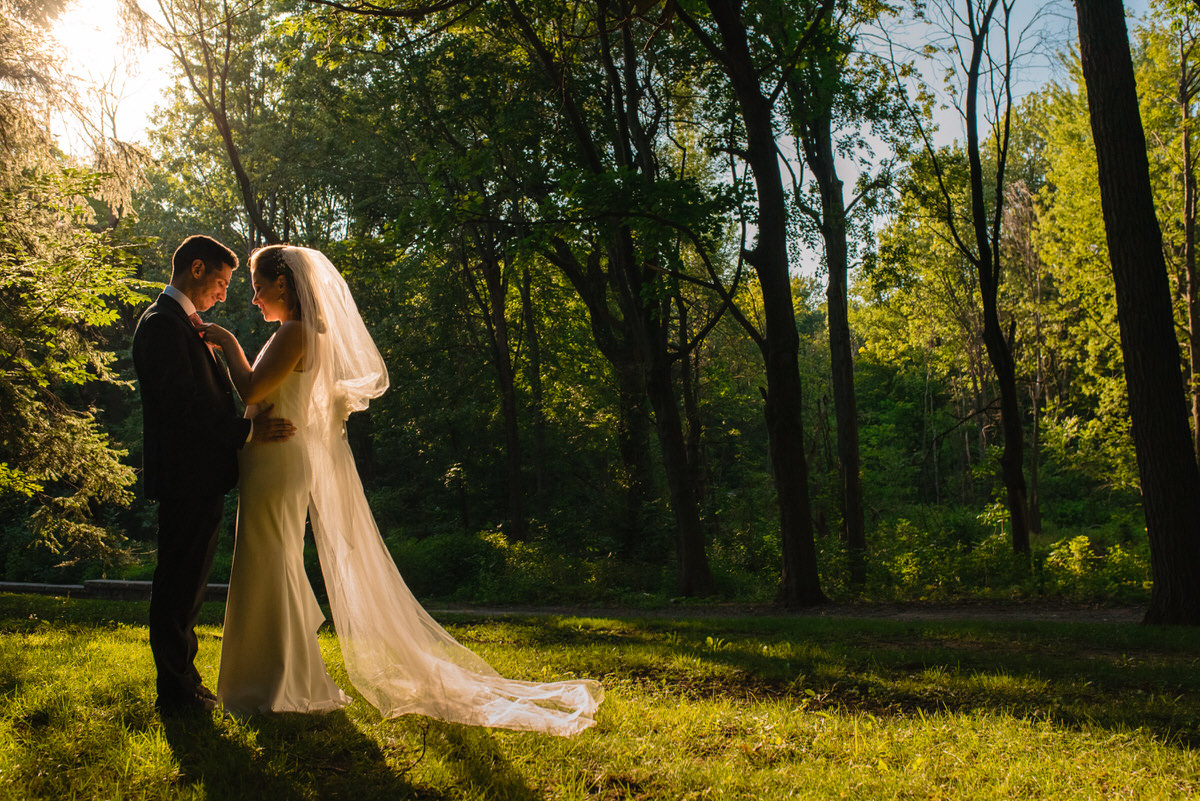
[{"x": 205, "y": 248}]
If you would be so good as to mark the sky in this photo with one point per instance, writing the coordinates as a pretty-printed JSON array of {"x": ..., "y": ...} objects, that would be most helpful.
[{"x": 95, "y": 52}]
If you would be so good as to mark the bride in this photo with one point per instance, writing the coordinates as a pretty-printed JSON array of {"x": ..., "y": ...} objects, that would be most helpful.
[{"x": 318, "y": 367}]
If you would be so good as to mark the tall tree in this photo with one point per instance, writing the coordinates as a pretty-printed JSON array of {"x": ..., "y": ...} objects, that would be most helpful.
[
  {"x": 755, "y": 82},
  {"x": 588, "y": 188},
  {"x": 1170, "y": 66},
  {"x": 621, "y": 177},
  {"x": 62, "y": 286},
  {"x": 1087, "y": 409},
  {"x": 215, "y": 47},
  {"x": 983, "y": 41},
  {"x": 923, "y": 294},
  {"x": 464, "y": 197},
  {"x": 1166, "y": 462},
  {"x": 830, "y": 98}
]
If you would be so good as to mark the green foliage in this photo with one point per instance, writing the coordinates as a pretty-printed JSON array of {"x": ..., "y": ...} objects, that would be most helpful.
[
  {"x": 442, "y": 565},
  {"x": 953, "y": 556},
  {"x": 1076, "y": 569},
  {"x": 414, "y": 151},
  {"x": 946, "y": 563},
  {"x": 1087, "y": 421},
  {"x": 62, "y": 289},
  {"x": 947, "y": 555},
  {"x": 489, "y": 568}
]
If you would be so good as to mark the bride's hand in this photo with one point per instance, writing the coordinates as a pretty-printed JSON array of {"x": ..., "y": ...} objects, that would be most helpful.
[{"x": 217, "y": 336}]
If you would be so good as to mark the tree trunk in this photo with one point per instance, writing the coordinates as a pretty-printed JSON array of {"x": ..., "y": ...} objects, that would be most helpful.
[
  {"x": 1036, "y": 393},
  {"x": 695, "y": 577},
  {"x": 211, "y": 88},
  {"x": 1193, "y": 310},
  {"x": 633, "y": 445},
  {"x": 1012, "y": 455},
  {"x": 1166, "y": 460},
  {"x": 455, "y": 482},
  {"x": 930, "y": 426},
  {"x": 1192, "y": 291},
  {"x": 647, "y": 321},
  {"x": 689, "y": 371},
  {"x": 506, "y": 383},
  {"x": 987, "y": 263},
  {"x": 818, "y": 152},
  {"x": 537, "y": 394},
  {"x": 634, "y": 341},
  {"x": 800, "y": 584},
  {"x": 1019, "y": 223},
  {"x": 1035, "y": 455},
  {"x": 249, "y": 198}
]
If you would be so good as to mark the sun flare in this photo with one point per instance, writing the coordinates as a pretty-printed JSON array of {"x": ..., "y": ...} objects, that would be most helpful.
[{"x": 117, "y": 81}]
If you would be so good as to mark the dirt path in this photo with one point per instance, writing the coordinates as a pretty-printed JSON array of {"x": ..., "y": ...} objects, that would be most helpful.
[
  {"x": 999, "y": 611},
  {"x": 966, "y": 610}
]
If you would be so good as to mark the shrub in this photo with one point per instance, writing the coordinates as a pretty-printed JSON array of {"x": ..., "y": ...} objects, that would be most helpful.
[
  {"x": 442, "y": 565},
  {"x": 993, "y": 566},
  {"x": 1075, "y": 568},
  {"x": 914, "y": 562}
]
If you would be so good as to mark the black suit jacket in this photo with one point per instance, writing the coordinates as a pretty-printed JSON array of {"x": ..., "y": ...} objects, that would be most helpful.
[{"x": 190, "y": 423}]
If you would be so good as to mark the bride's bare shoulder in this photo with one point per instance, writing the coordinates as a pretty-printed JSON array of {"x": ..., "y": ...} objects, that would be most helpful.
[
  {"x": 287, "y": 343},
  {"x": 291, "y": 332}
]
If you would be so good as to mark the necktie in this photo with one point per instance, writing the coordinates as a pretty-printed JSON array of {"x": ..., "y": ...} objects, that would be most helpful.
[{"x": 197, "y": 322}]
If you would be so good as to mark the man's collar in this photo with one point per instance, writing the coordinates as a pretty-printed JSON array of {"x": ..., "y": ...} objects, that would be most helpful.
[{"x": 183, "y": 300}]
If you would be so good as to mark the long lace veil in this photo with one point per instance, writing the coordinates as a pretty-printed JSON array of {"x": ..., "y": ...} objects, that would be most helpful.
[{"x": 396, "y": 655}]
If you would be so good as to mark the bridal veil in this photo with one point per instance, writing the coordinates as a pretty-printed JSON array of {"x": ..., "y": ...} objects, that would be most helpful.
[{"x": 396, "y": 654}]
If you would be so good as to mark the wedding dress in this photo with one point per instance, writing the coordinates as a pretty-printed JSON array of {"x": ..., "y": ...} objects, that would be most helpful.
[
  {"x": 270, "y": 661},
  {"x": 396, "y": 654}
]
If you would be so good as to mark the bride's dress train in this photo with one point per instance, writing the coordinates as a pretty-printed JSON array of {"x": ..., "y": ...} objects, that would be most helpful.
[{"x": 396, "y": 655}]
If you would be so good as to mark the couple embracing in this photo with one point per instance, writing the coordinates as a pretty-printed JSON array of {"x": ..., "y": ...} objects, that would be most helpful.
[{"x": 290, "y": 459}]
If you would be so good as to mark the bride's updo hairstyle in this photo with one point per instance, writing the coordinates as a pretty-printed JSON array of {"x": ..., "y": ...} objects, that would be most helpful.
[{"x": 269, "y": 263}]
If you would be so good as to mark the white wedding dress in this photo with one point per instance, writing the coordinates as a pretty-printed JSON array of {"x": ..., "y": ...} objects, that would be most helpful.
[
  {"x": 270, "y": 661},
  {"x": 396, "y": 654}
]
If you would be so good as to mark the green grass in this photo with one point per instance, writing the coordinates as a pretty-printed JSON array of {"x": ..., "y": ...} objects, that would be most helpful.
[{"x": 754, "y": 708}]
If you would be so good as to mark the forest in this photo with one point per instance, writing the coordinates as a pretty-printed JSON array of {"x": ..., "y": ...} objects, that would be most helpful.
[{"x": 732, "y": 300}]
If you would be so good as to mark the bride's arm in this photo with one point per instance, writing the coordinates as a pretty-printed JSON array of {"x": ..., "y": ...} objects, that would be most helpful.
[{"x": 283, "y": 352}]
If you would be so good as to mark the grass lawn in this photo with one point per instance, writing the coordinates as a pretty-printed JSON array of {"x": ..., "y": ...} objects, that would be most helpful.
[{"x": 754, "y": 708}]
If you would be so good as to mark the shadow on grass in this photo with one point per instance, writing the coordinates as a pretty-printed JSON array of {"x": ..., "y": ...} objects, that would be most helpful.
[
  {"x": 298, "y": 756},
  {"x": 478, "y": 762},
  {"x": 1107, "y": 675},
  {"x": 12, "y": 671},
  {"x": 224, "y": 768},
  {"x": 283, "y": 757},
  {"x": 1095, "y": 675}
]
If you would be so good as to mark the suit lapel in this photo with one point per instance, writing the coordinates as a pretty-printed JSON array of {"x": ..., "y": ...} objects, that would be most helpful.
[{"x": 169, "y": 303}]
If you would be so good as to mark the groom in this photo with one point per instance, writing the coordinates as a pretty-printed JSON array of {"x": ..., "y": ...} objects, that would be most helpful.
[{"x": 191, "y": 433}]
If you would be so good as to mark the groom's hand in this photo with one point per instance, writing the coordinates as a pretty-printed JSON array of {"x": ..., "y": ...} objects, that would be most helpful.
[{"x": 265, "y": 428}]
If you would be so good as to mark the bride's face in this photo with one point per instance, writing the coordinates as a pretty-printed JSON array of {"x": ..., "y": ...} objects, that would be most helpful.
[{"x": 271, "y": 298}]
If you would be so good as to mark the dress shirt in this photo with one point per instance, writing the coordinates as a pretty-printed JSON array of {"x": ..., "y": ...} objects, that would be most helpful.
[{"x": 183, "y": 300}]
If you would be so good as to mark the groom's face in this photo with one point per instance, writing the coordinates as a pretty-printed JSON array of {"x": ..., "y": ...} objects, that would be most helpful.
[{"x": 210, "y": 286}]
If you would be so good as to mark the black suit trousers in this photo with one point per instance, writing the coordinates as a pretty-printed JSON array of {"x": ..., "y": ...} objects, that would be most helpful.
[{"x": 187, "y": 541}]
